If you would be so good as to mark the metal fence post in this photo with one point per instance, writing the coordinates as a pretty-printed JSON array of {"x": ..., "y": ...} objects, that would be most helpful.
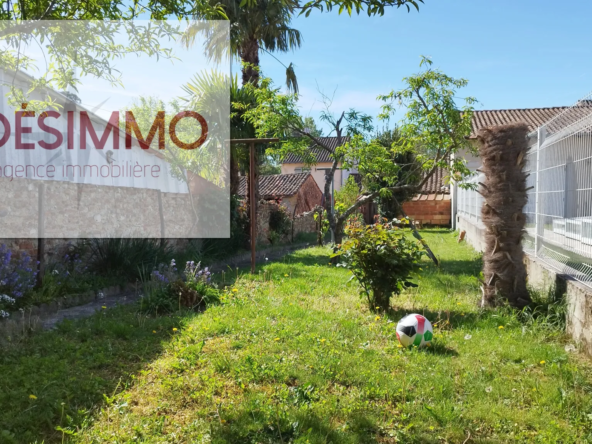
[{"x": 540, "y": 136}]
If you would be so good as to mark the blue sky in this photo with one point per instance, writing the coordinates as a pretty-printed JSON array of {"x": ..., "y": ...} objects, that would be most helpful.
[{"x": 515, "y": 53}]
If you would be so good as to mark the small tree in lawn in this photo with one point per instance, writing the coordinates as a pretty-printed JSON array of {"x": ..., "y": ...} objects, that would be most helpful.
[
  {"x": 433, "y": 129},
  {"x": 382, "y": 259}
]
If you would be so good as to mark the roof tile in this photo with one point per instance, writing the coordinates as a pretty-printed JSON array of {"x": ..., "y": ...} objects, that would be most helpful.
[
  {"x": 320, "y": 154},
  {"x": 275, "y": 185}
]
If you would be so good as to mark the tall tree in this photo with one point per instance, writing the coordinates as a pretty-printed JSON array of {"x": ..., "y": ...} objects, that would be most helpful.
[
  {"x": 262, "y": 25},
  {"x": 389, "y": 205}
]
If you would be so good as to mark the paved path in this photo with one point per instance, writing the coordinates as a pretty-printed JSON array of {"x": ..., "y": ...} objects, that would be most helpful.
[{"x": 86, "y": 310}]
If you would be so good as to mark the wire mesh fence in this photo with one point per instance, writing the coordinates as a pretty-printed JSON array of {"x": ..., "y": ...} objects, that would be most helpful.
[{"x": 559, "y": 209}]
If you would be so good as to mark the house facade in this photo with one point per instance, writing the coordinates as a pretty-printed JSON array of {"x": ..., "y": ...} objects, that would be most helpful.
[{"x": 293, "y": 164}]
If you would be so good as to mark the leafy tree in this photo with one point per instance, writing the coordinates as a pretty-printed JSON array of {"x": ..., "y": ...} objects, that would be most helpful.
[
  {"x": 347, "y": 195},
  {"x": 389, "y": 205},
  {"x": 433, "y": 121},
  {"x": 36, "y": 10},
  {"x": 311, "y": 126},
  {"x": 269, "y": 166},
  {"x": 371, "y": 7}
]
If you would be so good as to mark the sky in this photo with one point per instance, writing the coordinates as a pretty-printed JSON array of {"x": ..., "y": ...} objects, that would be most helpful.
[{"x": 515, "y": 53}]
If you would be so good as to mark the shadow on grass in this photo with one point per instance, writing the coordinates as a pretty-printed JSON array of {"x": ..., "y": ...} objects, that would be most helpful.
[
  {"x": 470, "y": 267},
  {"x": 59, "y": 378},
  {"x": 294, "y": 425}
]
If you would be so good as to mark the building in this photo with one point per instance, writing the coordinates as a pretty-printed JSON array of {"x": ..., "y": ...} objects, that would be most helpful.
[
  {"x": 292, "y": 164},
  {"x": 299, "y": 192},
  {"x": 533, "y": 117},
  {"x": 432, "y": 205}
]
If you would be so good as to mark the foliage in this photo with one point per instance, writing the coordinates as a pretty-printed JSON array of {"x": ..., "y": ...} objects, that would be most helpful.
[
  {"x": 320, "y": 216},
  {"x": 311, "y": 127},
  {"x": 433, "y": 130},
  {"x": 434, "y": 127},
  {"x": 66, "y": 277},
  {"x": 17, "y": 275},
  {"x": 294, "y": 356},
  {"x": 347, "y": 195},
  {"x": 389, "y": 203},
  {"x": 280, "y": 222},
  {"x": 125, "y": 257},
  {"x": 269, "y": 166},
  {"x": 382, "y": 259},
  {"x": 95, "y": 52},
  {"x": 262, "y": 25},
  {"x": 372, "y": 7},
  {"x": 166, "y": 290}
]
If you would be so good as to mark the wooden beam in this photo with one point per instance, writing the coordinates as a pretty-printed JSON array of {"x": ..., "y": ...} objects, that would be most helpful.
[
  {"x": 253, "y": 208},
  {"x": 252, "y": 183}
]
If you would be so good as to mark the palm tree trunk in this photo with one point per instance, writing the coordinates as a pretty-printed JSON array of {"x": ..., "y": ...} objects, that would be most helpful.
[
  {"x": 249, "y": 54},
  {"x": 503, "y": 151}
]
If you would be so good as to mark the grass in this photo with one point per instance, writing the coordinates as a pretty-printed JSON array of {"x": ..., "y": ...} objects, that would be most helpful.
[{"x": 293, "y": 356}]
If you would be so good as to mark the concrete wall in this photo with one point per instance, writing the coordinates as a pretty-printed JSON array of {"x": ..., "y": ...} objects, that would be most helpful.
[
  {"x": 543, "y": 277},
  {"x": 578, "y": 296},
  {"x": 474, "y": 231}
]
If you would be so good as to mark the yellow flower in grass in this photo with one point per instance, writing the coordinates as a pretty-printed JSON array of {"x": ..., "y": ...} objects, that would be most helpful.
[
  {"x": 500, "y": 327},
  {"x": 104, "y": 307},
  {"x": 542, "y": 362},
  {"x": 276, "y": 339},
  {"x": 323, "y": 340},
  {"x": 285, "y": 275},
  {"x": 174, "y": 329},
  {"x": 235, "y": 290},
  {"x": 377, "y": 318},
  {"x": 153, "y": 331},
  {"x": 32, "y": 397}
]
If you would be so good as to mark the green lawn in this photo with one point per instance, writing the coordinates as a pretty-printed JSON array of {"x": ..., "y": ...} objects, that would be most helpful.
[{"x": 294, "y": 356}]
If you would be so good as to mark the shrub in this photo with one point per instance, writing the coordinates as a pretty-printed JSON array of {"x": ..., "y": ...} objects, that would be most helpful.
[
  {"x": 17, "y": 275},
  {"x": 280, "y": 222},
  {"x": 382, "y": 259},
  {"x": 125, "y": 257},
  {"x": 166, "y": 290}
]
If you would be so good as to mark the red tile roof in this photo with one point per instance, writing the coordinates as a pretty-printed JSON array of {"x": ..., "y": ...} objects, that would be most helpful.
[
  {"x": 436, "y": 183},
  {"x": 317, "y": 154},
  {"x": 276, "y": 184},
  {"x": 533, "y": 117}
]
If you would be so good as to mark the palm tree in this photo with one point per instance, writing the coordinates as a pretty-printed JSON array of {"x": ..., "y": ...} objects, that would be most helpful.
[
  {"x": 203, "y": 92},
  {"x": 503, "y": 152},
  {"x": 264, "y": 25}
]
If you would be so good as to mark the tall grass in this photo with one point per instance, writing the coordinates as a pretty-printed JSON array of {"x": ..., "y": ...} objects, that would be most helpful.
[{"x": 126, "y": 257}]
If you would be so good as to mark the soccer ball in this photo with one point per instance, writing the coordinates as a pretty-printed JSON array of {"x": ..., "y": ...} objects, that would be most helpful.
[{"x": 414, "y": 329}]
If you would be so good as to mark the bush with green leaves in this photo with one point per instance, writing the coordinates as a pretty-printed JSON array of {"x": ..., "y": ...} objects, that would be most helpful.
[
  {"x": 280, "y": 222},
  {"x": 382, "y": 259},
  {"x": 166, "y": 290}
]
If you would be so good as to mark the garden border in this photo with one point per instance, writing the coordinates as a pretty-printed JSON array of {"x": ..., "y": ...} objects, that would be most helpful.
[{"x": 47, "y": 316}]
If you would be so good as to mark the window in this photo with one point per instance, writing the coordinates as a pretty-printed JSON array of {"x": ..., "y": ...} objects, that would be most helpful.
[{"x": 302, "y": 170}]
